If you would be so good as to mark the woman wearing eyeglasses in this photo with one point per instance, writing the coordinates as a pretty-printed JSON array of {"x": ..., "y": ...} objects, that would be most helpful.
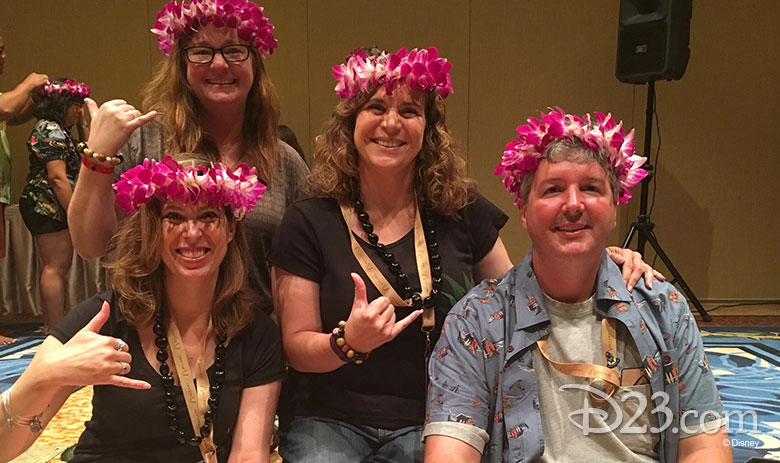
[{"x": 211, "y": 95}]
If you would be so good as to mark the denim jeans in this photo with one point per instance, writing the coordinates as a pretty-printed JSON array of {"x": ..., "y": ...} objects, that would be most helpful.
[{"x": 322, "y": 440}]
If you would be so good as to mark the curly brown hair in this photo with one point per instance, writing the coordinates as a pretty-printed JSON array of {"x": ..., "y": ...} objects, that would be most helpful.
[
  {"x": 170, "y": 94},
  {"x": 137, "y": 273},
  {"x": 440, "y": 179}
]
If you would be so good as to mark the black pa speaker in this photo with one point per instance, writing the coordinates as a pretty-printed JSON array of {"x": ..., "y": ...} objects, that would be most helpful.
[{"x": 653, "y": 38}]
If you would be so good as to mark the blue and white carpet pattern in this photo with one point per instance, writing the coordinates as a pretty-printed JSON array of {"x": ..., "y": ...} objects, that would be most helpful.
[{"x": 746, "y": 365}]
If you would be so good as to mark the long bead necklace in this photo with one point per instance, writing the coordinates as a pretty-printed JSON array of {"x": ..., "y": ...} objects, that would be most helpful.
[
  {"x": 401, "y": 278},
  {"x": 161, "y": 341}
]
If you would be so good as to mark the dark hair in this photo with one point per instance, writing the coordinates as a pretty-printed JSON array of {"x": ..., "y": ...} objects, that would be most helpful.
[
  {"x": 52, "y": 108},
  {"x": 288, "y": 136}
]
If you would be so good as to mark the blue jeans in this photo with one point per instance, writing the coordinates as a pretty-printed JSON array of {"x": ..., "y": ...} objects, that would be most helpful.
[{"x": 322, "y": 440}]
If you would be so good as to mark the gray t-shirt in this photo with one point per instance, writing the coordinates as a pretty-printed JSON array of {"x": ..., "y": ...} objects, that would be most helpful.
[
  {"x": 575, "y": 337},
  {"x": 260, "y": 225}
]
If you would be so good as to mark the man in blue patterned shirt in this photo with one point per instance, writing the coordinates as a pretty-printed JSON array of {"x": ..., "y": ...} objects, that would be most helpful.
[{"x": 557, "y": 360}]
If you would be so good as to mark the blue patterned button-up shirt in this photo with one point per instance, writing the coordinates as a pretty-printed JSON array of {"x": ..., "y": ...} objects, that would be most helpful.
[{"x": 481, "y": 371}]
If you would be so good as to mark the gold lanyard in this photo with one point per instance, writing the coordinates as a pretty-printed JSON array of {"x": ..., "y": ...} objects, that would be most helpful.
[
  {"x": 607, "y": 373},
  {"x": 379, "y": 280},
  {"x": 195, "y": 397}
]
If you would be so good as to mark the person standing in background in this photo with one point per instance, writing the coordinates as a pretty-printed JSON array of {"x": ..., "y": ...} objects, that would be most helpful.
[
  {"x": 54, "y": 167},
  {"x": 15, "y": 108}
]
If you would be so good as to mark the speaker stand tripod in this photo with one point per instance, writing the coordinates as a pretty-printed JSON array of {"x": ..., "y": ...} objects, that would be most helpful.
[{"x": 643, "y": 225}]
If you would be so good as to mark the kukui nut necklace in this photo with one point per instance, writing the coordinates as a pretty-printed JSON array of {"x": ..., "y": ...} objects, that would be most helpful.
[
  {"x": 426, "y": 250},
  {"x": 203, "y": 424}
]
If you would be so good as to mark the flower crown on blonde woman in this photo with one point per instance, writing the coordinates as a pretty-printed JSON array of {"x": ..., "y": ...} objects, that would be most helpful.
[
  {"x": 167, "y": 179},
  {"x": 420, "y": 70},
  {"x": 522, "y": 155},
  {"x": 68, "y": 86},
  {"x": 178, "y": 20}
]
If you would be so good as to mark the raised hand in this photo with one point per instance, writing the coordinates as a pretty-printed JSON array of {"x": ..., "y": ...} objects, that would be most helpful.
[
  {"x": 371, "y": 325},
  {"x": 90, "y": 358},
  {"x": 112, "y": 123},
  {"x": 35, "y": 80}
]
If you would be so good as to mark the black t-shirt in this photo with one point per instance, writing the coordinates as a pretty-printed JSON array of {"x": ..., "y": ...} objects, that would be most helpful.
[
  {"x": 129, "y": 425},
  {"x": 388, "y": 390}
]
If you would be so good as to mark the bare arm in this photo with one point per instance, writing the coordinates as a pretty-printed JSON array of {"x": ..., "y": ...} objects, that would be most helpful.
[
  {"x": 445, "y": 449},
  {"x": 494, "y": 264},
  {"x": 55, "y": 174},
  {"x": 705, "y": 448},
  {"x": 24, "y": 115},
  {"x": 297, "y": 305},
  {"x": 93, "y": 219},
  {"x": 254, "y": 424},
  {"x": 87, "y": 359},
  {"x": 16, "y": 103}
]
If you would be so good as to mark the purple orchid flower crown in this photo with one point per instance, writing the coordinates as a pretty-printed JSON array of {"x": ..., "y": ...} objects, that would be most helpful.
[
  {"x": 178, "y": 20},
  {"x": 522, "y": 155},
  {"x": 420, "y": 70},
  {"x": 167, "y": 179},
  {"x": 68, "y": 86}
]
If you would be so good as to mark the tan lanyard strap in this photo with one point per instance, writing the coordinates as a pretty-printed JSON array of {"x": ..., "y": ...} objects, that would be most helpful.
[
  {"x": 195, "y": 397},
  {"x": 379, "y": 280},
  {"x": 606, "y": 373}
]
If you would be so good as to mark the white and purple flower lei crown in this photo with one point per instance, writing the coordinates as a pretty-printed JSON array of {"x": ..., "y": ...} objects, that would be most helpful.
[
  {"x": 178, "y": 20},
  {"x": 420, "y": 70},
  {"x": 522, "y": 155},
  {"x": 68, "y": 86},
  {"x": 167, "y": 179}
]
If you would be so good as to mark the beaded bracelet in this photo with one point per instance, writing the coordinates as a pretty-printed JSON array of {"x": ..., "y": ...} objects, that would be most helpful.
[
  {"x": 11, "y": 420},
  {"x": 342, "y": 349},
  {"x": 82, "y": 148}
]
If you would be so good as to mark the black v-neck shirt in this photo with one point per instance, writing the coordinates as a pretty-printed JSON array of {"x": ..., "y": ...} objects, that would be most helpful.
[
  {"x": 388, "y": 390},
  {"x": 129, "y": 425}
]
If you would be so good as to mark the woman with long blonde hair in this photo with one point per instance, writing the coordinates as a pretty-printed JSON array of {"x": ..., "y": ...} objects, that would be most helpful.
[{"x": 211, "y": 95}]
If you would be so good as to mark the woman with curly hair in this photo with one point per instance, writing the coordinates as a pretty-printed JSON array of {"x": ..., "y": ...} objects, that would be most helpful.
[
  {"x": 185, "y": 366},
  {"x": 44, "y": 203},
  {"x": 213, "y": 96}
]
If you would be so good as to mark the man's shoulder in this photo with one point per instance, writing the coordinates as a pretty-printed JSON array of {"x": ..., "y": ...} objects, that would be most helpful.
[
  {"x": 488, "y": 301},
  {"x": 663, "y": 302}
]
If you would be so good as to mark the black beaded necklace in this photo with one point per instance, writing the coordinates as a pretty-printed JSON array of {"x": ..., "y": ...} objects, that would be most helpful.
[
  {"x": 161, "y": 341},
  {"x": 401, "y": 278}
]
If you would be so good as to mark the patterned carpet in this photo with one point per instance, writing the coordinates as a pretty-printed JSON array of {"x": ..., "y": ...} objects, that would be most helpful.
[{"x": 745, "y": 362}]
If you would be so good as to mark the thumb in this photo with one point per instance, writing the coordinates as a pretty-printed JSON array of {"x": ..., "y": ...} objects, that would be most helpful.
[
  {"x": 98, "y": 320},
  {"x": 360, "y": 291},
  {"x": 92, "y": 107}
]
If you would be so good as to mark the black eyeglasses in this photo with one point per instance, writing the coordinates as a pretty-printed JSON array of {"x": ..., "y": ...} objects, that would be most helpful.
[{"x": 204, "y": 55}]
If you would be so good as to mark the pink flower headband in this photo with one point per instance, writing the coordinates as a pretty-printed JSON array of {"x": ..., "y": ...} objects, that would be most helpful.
[
  {"x": 419, "y": 69},
  {"x": 68, "y": 86},
  {"x": 177, "y": 20},
  {"x": 218, "y": 185},
  {"x": 522, "y": 155}
]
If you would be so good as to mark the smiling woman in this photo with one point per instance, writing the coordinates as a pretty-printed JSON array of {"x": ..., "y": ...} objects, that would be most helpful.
[
  {"x": 178, "y": 322},
  {"x": 210, "y": 95},
  {"x": 390, "y": 190}
]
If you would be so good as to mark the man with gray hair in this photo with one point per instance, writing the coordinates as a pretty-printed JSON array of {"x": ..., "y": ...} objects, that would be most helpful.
[{"x": 557, "y": 360}]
